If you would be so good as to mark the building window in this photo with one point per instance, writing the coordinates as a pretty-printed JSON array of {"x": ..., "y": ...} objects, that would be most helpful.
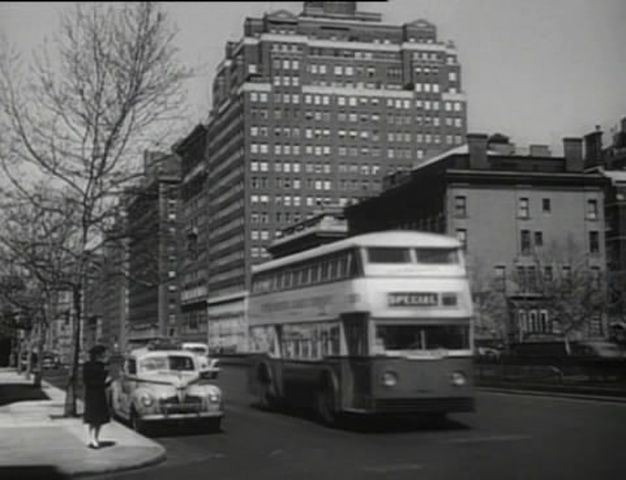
[
  {"x": 500, "y": 277},
  {"x": 538, "y": 239},
  {"x": 545, "y": 205},
  {"x": 460, "y": 206},
  {"x": 525, "y": 242},
  {"x": 523, "y": 210},
  {"x": 595, "y": 277},
  {"x": 544, "y": 322},
  {"x": 592, "y": 209},
  {"x": 566, "y": 272},
  {"x": 594, "y": 242},
  {"x": 547, "y": 273}
]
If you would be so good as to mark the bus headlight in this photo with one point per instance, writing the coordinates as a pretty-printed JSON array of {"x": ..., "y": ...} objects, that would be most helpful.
[
  {"x": 214, "y": 397},
  {"x": 458, "y": 379},
  {"x": 146, "y": 400},
  {"x": 390, "y": 378}
]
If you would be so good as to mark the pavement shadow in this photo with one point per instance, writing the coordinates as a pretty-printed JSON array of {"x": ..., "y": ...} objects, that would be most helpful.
[
  {"x": 107, "y": 443},
  {"x": 184, "y": 429},
  {"x": 20, "y": 392},
  {"x": 373, "y": 424},
  {"x": 32, "y": 472}
]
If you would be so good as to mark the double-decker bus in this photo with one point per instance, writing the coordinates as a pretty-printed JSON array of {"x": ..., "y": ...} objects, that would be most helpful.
[{"x": 375, "y": 323}]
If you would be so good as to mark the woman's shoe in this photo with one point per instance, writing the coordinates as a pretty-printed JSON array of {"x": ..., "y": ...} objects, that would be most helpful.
[{"x": 93, "y": 447}]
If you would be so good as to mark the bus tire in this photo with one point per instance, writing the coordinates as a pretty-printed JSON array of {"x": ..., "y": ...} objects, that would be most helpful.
[
  {"x": 327, "y": 402},
  {"x": 266, "y": 398}
]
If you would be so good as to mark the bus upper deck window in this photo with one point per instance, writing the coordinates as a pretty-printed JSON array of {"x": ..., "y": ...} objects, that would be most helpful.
[
  {"x": 437, "y": 255},
  {"x": 388, "y": 255}
]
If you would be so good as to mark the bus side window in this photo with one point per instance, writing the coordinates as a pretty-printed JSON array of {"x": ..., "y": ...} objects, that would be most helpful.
[
  {"x": 332, "y": 268},
  {"x": 342, "y": 266},
  {"x": 315, "y": 273},
  {"x": 325, "y": 276},
  {"x": 353, "y": 265}
]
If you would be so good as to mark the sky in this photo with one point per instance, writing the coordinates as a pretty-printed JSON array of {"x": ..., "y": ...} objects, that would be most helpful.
[{"x": 535, "y": 70}]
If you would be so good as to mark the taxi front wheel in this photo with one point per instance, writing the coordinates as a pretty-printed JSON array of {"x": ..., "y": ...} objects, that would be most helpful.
[
  {"x": 214, "y": 425},
  {"x": 136, "y": 423}
]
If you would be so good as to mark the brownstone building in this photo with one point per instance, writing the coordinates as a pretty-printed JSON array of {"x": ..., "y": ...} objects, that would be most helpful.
[
  {"x": 523, "y": 218},
  {"x": 610, "y": 161}
]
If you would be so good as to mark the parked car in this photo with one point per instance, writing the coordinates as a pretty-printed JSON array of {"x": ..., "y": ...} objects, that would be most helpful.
[
  {"x": 157, "y": 386},
  {"x": 33, "y": 361},
  {"x": 488, "y": 352},
  {"x": 208, "y": 364},
  {"x": 50, "y": 360},
  {"x": 599, "y": 349}
]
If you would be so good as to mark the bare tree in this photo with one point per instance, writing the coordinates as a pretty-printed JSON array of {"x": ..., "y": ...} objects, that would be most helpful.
[
  {"x": 490, "y": 304},
  {"x": 34, "y": 258},
  {"x": 84, "y": 114},
  {"x": 568, "y": 285}
]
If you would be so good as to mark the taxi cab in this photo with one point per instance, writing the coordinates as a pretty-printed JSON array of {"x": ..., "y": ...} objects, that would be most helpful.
[{"x": 158, "y": 386}]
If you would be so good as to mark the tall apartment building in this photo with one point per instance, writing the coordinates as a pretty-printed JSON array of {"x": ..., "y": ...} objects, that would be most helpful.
[
  {"x": 152, "y": 220},
  {"x": 311, "y": 110},
  {"x": 192, "y": 278},
  {"x": 115, "y": 287}
]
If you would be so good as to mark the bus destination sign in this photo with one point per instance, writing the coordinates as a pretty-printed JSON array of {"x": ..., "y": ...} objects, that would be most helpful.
[{"x": 412, "y": 299}]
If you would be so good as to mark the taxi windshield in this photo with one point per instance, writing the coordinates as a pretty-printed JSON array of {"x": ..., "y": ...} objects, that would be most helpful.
[
  {"x": 167, "y": 362},
  {"x": 197, "y": 350}
]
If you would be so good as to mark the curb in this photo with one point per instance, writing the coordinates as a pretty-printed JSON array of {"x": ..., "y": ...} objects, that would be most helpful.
[
  {"x": 159, "y": 456},
  {"x": 544, "y": 393}
]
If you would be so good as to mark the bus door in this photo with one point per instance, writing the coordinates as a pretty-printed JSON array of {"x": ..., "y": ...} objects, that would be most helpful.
[{"x": 355, "y": 374}]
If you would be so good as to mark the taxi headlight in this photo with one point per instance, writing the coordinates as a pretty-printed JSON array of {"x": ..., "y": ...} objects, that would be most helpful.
[
  {"x": 146, "y": 400},
  {"x": 458, "y": 379},
  {"x": 390, "y": 378},
  {"x": 214, "y": 397}
]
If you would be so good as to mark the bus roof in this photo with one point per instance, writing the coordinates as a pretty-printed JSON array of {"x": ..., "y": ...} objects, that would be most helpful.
[{"x": 389, "y": 238}]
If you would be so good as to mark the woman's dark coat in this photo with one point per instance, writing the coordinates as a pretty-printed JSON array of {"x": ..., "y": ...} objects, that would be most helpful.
[{"x": 96, "y": 406}]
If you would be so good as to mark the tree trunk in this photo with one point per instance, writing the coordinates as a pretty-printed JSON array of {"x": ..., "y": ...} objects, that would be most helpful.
[
  {"x": 41, "y": 338},
  {"x": 72, "y": 381},
  {"x": 20, "y": 350},
  {"x": 29, "y": 355}
]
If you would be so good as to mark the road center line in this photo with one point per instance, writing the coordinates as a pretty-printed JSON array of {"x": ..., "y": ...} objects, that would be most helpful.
[
  {"x": 491, "y": 438},
  {"x": 403, "y": 467}
]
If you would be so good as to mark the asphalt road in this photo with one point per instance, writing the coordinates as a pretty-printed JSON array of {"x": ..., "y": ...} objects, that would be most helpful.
[{"x": 509, "y": 437}]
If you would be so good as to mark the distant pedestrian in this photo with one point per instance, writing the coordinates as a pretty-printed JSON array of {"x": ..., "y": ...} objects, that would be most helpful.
[{"x": 95, "y": 380}]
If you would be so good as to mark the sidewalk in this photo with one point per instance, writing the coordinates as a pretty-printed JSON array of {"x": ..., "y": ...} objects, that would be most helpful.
[{"x": 36, "y": 442}]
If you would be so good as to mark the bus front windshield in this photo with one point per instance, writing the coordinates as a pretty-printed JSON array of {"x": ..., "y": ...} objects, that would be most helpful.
[{"x": 415, "y": 338}]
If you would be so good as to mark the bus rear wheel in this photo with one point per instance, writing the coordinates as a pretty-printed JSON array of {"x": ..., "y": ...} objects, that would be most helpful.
[
  {"x": 266, "y": 399},
  {"x": 326, "y": 407}
]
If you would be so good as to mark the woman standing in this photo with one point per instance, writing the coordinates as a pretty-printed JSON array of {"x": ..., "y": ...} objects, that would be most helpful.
[{"x": 95, "y": 379}]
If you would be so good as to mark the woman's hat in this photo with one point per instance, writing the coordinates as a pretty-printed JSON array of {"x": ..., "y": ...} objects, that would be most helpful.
[{"x": 97, "y": 350}]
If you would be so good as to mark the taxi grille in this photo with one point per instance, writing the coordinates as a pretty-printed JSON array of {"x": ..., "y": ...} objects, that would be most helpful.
[{"x": 190, "y": 404}]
